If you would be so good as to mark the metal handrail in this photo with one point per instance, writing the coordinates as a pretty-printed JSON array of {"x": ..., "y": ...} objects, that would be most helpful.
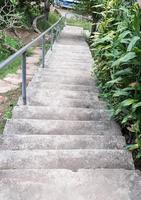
[{"x": 22, "y": 52}]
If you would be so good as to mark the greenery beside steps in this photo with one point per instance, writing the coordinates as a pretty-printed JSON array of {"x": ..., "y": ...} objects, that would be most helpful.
[{"x": 116, "y": 48}]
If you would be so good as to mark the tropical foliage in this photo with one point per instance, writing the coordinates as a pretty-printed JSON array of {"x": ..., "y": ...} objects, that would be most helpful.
[{"x": 116, "y": 47}]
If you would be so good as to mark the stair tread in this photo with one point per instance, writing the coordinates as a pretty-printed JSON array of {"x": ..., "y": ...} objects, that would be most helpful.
[
  {"x": 38, "y": 100},
  {"x": 59, "y": 113},
  {"x": 72, "y": 87},
  {"x": 66, "y": 159},
  {"x": 108, "y": 184},
  {"x": 64, "y": 79},
  {"x": 47, "y": 142},
  {"x": 61, "y": 127}
]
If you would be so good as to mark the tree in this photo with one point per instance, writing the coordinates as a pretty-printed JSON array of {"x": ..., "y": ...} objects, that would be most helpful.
[
  {"x": 92, "y": 8},
  {"x": 46, "y": 8},
  {"x": 9, "y": 18}
]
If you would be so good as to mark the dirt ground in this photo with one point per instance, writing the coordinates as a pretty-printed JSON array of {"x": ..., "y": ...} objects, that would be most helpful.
[
  {"x": 7, "y": 102},
  {"x": 10, "y": 86},
  {"x": 25, "y": 35}
]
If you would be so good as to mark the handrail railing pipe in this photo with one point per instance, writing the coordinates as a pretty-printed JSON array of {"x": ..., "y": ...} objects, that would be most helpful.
[
  {"x": 22, "y": 53},
  {"x": 52, "y": 38},
  {"x": 43, "y": 51},
  {"x": 24, "y": 77}
]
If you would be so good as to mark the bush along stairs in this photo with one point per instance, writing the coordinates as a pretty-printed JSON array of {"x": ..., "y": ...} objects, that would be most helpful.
[{"x": 63, "y": 145}]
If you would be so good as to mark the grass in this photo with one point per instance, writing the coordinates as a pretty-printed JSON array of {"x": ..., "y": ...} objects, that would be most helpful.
[
  {"x": 10, "y": 69},
  {"x": 4, "y": 54},
  {"x": 85, "y": 24}
]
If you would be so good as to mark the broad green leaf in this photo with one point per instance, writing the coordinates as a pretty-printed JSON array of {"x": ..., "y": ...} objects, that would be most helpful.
[
  {"x": 132, "y": 147},
  {"x": 138, "y": 155},
  {"x": 112, "y": 82},
  {"x": 118, "y": 111},
  {"x": 125, "y": 41},
  {"x": 124, "y": 34},
  {"x": 135, "y": 106},
  {"x": 126, "y": 118},
  {"x": 119, "y": 93},
  {"x": 98, "y": 6},
  {"x": 123, "y": 72},
  {"x": 133, "y": 42},
  {"x": 128, "y": 102},
  {"x": 124, "y": 59}
]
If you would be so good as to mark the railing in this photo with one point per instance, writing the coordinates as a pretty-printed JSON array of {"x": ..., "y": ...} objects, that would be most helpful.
[{"x": 54, "y": 31}]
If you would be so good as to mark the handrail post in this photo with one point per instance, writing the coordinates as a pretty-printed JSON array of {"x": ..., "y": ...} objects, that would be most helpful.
[
  {"x": 58, "y": 31},
  {"x": 43, "y": 51},
  {"x": 24, "y": 78},
  {"x": 52, "y": 38},
  {"x": 65, "y": 19}
]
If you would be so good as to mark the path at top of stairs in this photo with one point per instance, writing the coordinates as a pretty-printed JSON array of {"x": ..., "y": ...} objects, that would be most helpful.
[{"x": 63, "y": 145}]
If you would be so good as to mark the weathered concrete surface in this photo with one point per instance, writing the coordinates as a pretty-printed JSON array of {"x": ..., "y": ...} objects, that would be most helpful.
[
  {"x": 73, "y": 159},
  {"x": 84, "y": 95},
  {"x": 63, "y": 72},
  {"x": 67, "y": 185},
  {"x": 58, "y": 113},
  {"x": 60, "y": 127},
  {"x": 42, "y": 85},
  {"x": 65, "y": 127},
  {"x": 65, "y": 98},
  {"x": 66, "y": 80},
  {"x": 67, "y": 101},
  {"x": 22, "y": 142}
]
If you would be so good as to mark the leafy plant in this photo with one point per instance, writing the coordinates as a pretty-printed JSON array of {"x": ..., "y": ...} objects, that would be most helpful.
[{"x": 116, "y": 47}]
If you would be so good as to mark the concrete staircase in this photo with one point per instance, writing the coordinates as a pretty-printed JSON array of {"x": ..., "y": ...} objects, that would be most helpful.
[{"x": 62, "y": 145}]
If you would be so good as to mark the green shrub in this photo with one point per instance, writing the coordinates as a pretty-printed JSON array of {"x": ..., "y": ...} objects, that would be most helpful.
[
  {"x": 116, "y": 48},
  {"x": 44, "y": 24}
]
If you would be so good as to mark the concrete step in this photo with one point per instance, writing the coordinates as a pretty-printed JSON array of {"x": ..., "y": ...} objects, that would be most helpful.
[
  {"x": 60, "y": 86},
  {"x": 66, "y": 159},
  {"x": 42, "y": 96},
  {"x": 59, "y": 59},
  {"x": 54, "y": 93},
  {"x": 108, "y": 184},
  {"x": 82, "y": 48},
  {"x": 67, "y": 65},
  {"x": 66, "y": 68},
  {"x": 58, "y": 113},
  {"x": 76, "y": 51},
  {"x": 65, "y": 80},
  {"x": 72, "y": 42},
  {"x": 63, "y": 98},
  {"x": 60, "y": 127},
  {"x": 63, "y": 72},
  {"x": 72, "y": 54},
  {"x": 69, "y": 42},
  {"x": 48, "y": 142},
  {"x": 60, "y": 53},
  {"x": 40, "y": 100}
]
